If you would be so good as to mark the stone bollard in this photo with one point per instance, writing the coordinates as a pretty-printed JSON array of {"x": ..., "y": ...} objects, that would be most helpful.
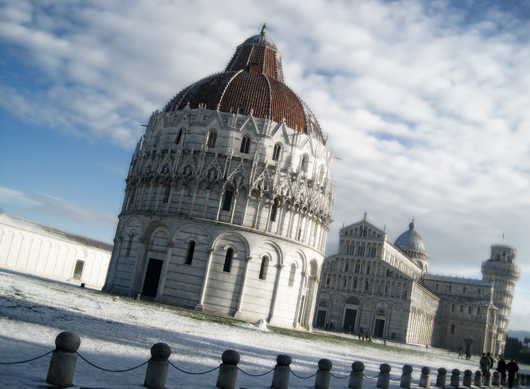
[
  {"x": 455, "y": 378},
  {"x": 156, "y": 373},
  {"x": 406, "y": 377},
  {"x": 228, "y": 370},
  {"x": 487, "y": 379},
  {"x": 468, "y": 378},
  {"x": 496, "y": 379},
  {"x": 282, "y": 372},
  {"x": 425, "y": 378},
  {"x": 323, "y": 374},
  {"x": 357, "y": 375},
  {"x": 383, "y": 380},
  {"x": 64, "y": 359},
  {"x": 442, "y": 375}
]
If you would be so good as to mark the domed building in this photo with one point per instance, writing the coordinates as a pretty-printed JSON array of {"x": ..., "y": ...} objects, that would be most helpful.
[
  {"x": 229, "y": 198},
  {"x": 374, "y": 287}
]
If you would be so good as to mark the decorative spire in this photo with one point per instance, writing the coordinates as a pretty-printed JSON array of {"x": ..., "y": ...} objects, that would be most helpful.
[{"x": 264, "y": 29}]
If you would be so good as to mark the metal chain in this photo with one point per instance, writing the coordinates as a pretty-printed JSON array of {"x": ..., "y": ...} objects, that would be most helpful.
[
  {"x": 373, "y": 378},
  {"x": 397, "y": 379},
  {"x": 27, "y": 360},
  {"x": 255, "y": 375},
  {"x": 302, "y": 378},
  {"x": 187, "y": 372},
  {"x": 110, "y": 371},
  {"x": 339, "y": 378}
]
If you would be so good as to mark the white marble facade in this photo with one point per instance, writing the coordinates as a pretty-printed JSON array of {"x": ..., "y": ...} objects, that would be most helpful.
[
  {"x": 32, "y": 248},
  {"x": 225, "y": 212},
  {"x": 372, "y": 286}
]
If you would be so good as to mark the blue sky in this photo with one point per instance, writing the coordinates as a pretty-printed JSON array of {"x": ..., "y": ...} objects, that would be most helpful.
[{"x": 426, "y": 104}]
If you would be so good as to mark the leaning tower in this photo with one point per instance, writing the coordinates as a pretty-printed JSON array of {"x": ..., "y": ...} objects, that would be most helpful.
[
  {"x": 229, "y": 198},
  {"x": 502, "y": 271}
]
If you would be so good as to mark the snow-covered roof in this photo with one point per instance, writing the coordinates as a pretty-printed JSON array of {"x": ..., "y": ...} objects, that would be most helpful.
[
  {"x": 457, "y": 280},
  {"x": 41, "y": 229}
]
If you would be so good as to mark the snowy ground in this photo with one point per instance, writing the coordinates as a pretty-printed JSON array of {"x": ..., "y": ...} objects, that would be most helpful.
[{"x": 119, "y": 334}]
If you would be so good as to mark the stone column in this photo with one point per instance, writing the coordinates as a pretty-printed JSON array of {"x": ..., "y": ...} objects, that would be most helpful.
[
  {"x": 206, "y": 202},
  {"x": 163, "y": 275},
  {"x": 238, "y": 313},
  {"x": 200, "y": 305},
  {"x": 275, "y": 292}
]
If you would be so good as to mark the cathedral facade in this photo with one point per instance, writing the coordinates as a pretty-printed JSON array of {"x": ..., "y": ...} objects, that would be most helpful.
[
  {"x": 372, "y": 286},
  {"x": 229, "y": 198}
]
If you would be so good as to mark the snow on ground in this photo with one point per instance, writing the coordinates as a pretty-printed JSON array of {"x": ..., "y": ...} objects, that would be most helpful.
[{"x": 119, "y": 335}]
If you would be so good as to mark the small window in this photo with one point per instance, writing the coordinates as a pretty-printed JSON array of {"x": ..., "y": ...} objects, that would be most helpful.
[
  {"x": 78, "y": 271},
  {"x": 129, "y": 245},
  {"x": 478, "y": 310},
  {"x": 436, "y": 287},
  {"x": 245, "y": 145},
  {"x": 179, "y": 136},
  {"x": 227, "y": 201},
  {"x": 167, "y": 191},
  {"x": 464, "y": 289},
  {"x": 212, "y": 138},
  {"x": 366, "y": 286},
  {"x": 461, "y": 308},
  {"x": 276, "y": 152},
  {"x": 263, "y": 269},
  {"x": 228, "y": 260},
  {"x": 452, "y": 307},
  {"x": 274, "y": 210},
  {"x": 368, "y": 269},
  {"x": 299, "y": 235},
  {"x": 452, "y": 328},
  {"x": 449, "y": 288},
  {"x": 293, "y": 274},
  {"x": 305, "y": 162},
  {"x": 469, "y": 310},
  {"x": 191, "y": 250}
]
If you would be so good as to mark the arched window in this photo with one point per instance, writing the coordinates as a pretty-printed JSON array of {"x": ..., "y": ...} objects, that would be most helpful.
[
  {"x": 191, "y": 250},
  {"x": 292, "y": 275},
  {"x": 263, "y": 269},
  {"x": 212, "y": 138},
  {"x": 228, "y": 260},
  {"x": 452, "y": 328},
  {"x": 305, "y": 162},
  {"x": 276, "y": 152},
  {"x": 179, "y": 136},
  {"x": 245, "y": 145},
  {"x": 167, "y": 191},
  {"x": 227, "y": 200},
  {"x": 274, "y": 210}
]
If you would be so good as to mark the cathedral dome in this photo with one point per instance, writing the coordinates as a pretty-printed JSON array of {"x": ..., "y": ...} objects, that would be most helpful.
[
  {"x": 410, "y": 240},
  {"x": 252, "y": 84},
  {"x": 411, "y": 244}
]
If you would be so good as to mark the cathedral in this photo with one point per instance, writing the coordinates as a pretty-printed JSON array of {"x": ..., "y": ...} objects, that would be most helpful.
[
  {"x": 229, "y": 198},
  {"x": 372, "y": 286}
]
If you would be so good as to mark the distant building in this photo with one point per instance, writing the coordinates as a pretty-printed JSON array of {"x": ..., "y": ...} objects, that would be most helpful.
[
  {"x": 33, "y": 248},
  {"x": 374, "y": 286},
  {"x": 229, "y": 198}
]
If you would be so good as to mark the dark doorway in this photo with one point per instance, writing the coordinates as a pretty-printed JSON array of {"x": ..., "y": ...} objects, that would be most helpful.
[
  {"x": 152, "y": 277},
  {"x": 349, "y": 320},
  {"x": 379, "y": 328},
  {"x": 78, "y": 271},
  {"x": 321, "y": 319}
]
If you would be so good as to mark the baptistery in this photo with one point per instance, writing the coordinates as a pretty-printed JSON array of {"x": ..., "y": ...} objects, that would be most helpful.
[{"x": 229, "y": 198}]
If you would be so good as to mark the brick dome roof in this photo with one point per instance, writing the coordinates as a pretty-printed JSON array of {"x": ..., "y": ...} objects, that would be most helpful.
[{"x": 252, "y": 84}]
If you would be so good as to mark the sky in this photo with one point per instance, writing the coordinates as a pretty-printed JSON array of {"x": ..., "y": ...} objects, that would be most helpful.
[{"x": 425, "y": 105}]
